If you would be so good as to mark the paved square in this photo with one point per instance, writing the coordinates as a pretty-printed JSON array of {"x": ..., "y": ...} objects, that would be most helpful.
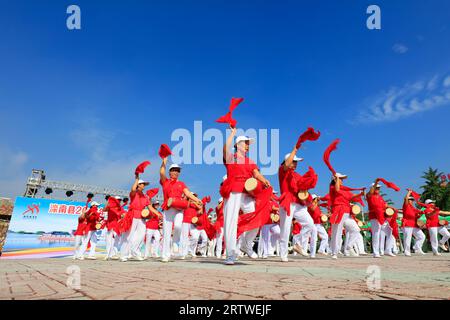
[{"x": 418, "y": 277}]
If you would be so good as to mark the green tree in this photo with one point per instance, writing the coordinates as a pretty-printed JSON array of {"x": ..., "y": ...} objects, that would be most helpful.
[{"x": 434, "y": 189}]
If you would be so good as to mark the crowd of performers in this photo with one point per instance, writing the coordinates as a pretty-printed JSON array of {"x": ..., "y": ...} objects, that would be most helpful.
[{"x": 292, "y": 221}]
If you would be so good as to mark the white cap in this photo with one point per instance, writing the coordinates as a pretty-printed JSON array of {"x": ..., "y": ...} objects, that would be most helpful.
[
  {"x": 244, "y": 138},
  {"x": 156, "y": 201},
  {"x": 428, "y": 201},
  {"x": 94, "y": 203},
  {"x": 174, "y": 166},
  {"x": 144, "y": 182},
  {"x": 220, "y": 200},
  {"x": 411, "y": 198},
  {"x": 225, "y": 177},
  {"x": 314, "y": 196},
  {"x": 341, "y": 175},
  {"x": 118, "y": 198},
  {"x": 275, "y": 191},
  {"x": 295, "y": 157},
  {"x": 378, "y": 185}
]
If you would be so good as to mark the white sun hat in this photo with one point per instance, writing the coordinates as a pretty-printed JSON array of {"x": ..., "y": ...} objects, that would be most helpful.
[
  {"x": 314, "y": 196},
  {"x": 378, "y": 185},
  {"x": 244, "y": 138},
  {"x": 341, "y": 175},
  {"x": 295, "y": 157},
  {"x": 225, "y": 177},
  {"x": 220, "y": 200},
  {"x": 428, "y": 201},
  {"x": 174, "y": 166},
  {"x": 94, "y": 203},
  {"x": 144, "y": 182}
]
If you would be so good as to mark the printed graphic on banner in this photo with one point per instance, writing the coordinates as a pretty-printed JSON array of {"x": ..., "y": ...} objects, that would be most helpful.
[{"x": 43, "y": 228}]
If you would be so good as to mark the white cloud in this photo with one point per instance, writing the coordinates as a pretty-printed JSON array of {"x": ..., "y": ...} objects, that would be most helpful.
[
  {"x": 447, "y": 81},
  {"x": 400, "y": 48},
  {"x": 12, "y": 176},
  {"x": 412, "y": 98}
]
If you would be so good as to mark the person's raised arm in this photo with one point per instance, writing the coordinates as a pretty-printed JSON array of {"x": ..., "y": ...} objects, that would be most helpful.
[
  {"x": 408, "y": 194},
  {"x": 373, "y": 188},
  {"x": 338, "y": 183},
  {"x": 135, "y": 184},
  {"x": 162, "y": 170},
  {"x": 289, "y": 160},
  {"x": 228, "y": 144}
]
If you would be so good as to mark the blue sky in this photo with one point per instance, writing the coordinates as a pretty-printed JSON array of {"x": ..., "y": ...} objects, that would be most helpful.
[{"x": 89, "y": 105}]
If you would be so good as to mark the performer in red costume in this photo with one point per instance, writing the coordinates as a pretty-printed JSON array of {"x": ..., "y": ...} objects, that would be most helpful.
[
  {"x": 172, "y": 217},
  {"x": 239, "y": 169}
]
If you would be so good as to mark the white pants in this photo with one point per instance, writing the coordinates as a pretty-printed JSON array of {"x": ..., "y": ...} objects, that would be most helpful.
[
  {"x": 91, "y": 236},
  {"x": 219, "y": 239},
  {"x": 352, "y": 231},
  {"x": 269, "y": 235},
  {"x": 197, "y": 235},
  {"x": 237, "y": 201},
  {"x": 124, "y": 245},
  {"x": 274, "y": 239},
  {"x": 111, "y": 242},
  {"x": 351, "y": 228},
  {"x": 152, "y": 239},
  {"x": 433, "y": 232},
  {"x": 361, "y": 249},
  {"x": 247, "y": 240},
  {"x": 300, "y": 213},
  {"x": 79, "y": 240},
  {"x": 211, "y": 247},
  {"x": 184, "y": 240},
  {"x": 171, "y": 217},
  {"x": 323, "y": 235},
  {"x": 408, "y": 232},
  {"x": 137, "y": 235},
  {"x": 386, "y": 244},
  {"x": 376, "y": 234},
  {"x": 443, "y": 231}
]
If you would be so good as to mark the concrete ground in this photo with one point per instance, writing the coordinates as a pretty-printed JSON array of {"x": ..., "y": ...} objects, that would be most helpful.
[{"x": 417, "y": 277}]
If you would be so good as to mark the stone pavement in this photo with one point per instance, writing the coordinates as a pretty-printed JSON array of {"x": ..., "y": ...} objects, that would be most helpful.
[{"x": 417, "y": 277}]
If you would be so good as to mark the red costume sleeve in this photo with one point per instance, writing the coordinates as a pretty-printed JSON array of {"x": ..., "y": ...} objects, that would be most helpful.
[
  {"x": 140, "y": 168},
  {"x": 308, "y": 180},
  {"x": 389, "y": 184},
  {"x": 164, "y": 151},
  {"x": 152, "y": 192},
  {"x": 309, "y": 134},
  {"x": 228, "y": 118},
  {"x": 326, "y": 155},
  {"x": 256, "y": 219}
]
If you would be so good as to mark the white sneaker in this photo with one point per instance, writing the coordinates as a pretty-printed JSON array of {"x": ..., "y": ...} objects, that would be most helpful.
[
  {"x": 334, "y": 256},
  {"x": 443, "y": 247},
  {"x": 390, "y": 254},
  {"x": 421, "y": 252},
  {"x": 164, "y": 260},
  {"x": 106, "y": 258},
  {"x": 183, "y": 258},
  {"x": 323, "y": 253},
  {"x": 407, "y": 254},
  {"x": 91, "y": 258},
  {"x": 376, "y": 256},
  {"x": 123, "y": 259},
  {"x": 115, "y": 258},
  {"x": 436, "y": 254},
  {"x": 284, "y": 259},
  {"x": 312, "y": 257},
  {"x": 229, "y": 261}
]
